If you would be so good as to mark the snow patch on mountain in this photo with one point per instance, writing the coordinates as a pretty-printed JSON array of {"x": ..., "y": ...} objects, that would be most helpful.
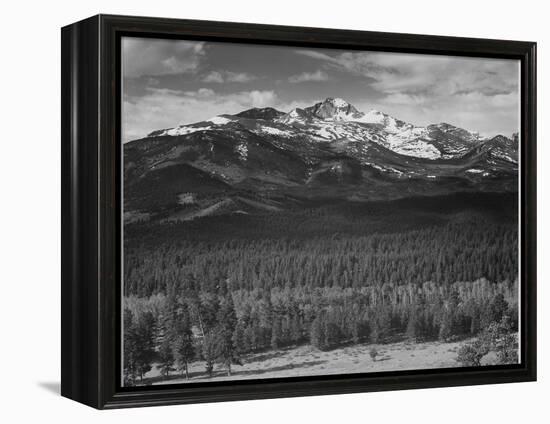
[
  {"x": 242, "y": 150},
  {"x": 338, "y": 131},
  {"x": 275, "y": 131},
  {"x": 505, "y": 156},
  {"x": 186, "y": 198},
  {"x": 478, "y": 172},
  {"x": 327, "y": 132},
  {"x": 219, "y": 120},
  {"x": 372, "y": 117},
  {"x": 184, "y": 130},
  {"x": 385, "y": 168},
  {"x": 341, "y": 115},
  {"x": 417, "y": 148}
]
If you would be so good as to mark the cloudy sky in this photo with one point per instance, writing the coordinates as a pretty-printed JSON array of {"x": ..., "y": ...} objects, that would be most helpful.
[{"x": 171, "y": 82}]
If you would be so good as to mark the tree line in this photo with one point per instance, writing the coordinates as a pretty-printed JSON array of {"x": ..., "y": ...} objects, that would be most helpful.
[
  {"x": 445, "y": 254},
  {"x": 221, "y": 328}
]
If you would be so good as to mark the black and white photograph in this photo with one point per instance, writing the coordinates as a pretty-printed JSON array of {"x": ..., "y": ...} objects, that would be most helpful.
[{"x": 292, "y": 211}]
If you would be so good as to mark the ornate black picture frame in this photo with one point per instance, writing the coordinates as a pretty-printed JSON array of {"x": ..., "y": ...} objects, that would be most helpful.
[{"x": 92, "y": 221}]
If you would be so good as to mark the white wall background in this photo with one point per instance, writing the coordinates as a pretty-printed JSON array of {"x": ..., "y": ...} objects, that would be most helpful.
[{"x": 30, "y": 212}]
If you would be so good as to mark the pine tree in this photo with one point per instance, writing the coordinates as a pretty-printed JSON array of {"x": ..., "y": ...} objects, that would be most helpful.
[
  {"x": 207, "y": 311},
  {"x": 210, "y": 350},
  {"x": 333, "y": 334},
  {"x": 227, "y": 321},
  {"x": 130, "y": 349},
  {"x": 276, "y": 333},
  {"x": 166, "y": 358},
  {"x": 182, "y": 344},
  {"x": 445, "y": 326},
  {"x": 412, "y": 324},
  {"x": 317, "y": 333},
  {"x": 381, "y": 328},
  {"x": 251, "y": 338},
  {"x": 239, "y": 339},
  {"x": 146, "y": 331},
  {"x": 184, "y": 352},
  {"x": 295, "y": 329},
  {"x": 497, "y": 308}
]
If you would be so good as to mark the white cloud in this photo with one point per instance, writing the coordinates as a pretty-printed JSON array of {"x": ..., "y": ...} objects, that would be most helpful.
[
  {"x": 309, "y": 76},
  {"x": 427, "y": 74},
  {"x": 488, "y": 115},
  {"x": 151, "y": 57},
  {"x": 213, "y": 76},
  {"x": 405, "y": 99},
  {"x": 201, "y": 93},
  {"x": 259, "y": 98},
  {"x": 227, "y": 76},
  {"x": 316, "y": 55},
  {"x": 478, "y": 94},
  {"x": 239, "y": 77}
]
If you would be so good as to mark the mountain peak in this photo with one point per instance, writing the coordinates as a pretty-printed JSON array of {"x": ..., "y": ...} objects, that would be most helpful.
[
  {"x": 336, "y": 102},
  {"x": 444, "y": 125},
  {"x": 334, "y": 109},
  {"x": 260, "y": 113},
  {"x": 501, "y": 139},
  {"x": 454, "y": 131},
  {"x": 295, "y": 115}
]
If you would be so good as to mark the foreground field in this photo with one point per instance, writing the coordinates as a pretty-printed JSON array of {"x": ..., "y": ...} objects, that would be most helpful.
[{"x": 308, "y": 361}]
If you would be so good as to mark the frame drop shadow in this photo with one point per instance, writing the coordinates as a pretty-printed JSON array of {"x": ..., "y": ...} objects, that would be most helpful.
[{"x": 53, "y": 387}]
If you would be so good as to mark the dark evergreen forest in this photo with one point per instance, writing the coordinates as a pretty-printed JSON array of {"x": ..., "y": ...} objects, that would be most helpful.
[{"x": 328, "y": 274}]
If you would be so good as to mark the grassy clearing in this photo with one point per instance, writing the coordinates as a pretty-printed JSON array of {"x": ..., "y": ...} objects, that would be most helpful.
[{"x": 308, "y": 361}]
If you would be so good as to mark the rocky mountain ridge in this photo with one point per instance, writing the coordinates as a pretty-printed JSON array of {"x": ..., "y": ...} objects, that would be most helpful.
[{"x": 264, "y": 160}]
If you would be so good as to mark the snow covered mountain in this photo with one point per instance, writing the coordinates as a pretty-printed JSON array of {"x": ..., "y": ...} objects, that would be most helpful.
[
  {"x": 337, "y": 119},
  {"x": 262, "y": 159}
]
